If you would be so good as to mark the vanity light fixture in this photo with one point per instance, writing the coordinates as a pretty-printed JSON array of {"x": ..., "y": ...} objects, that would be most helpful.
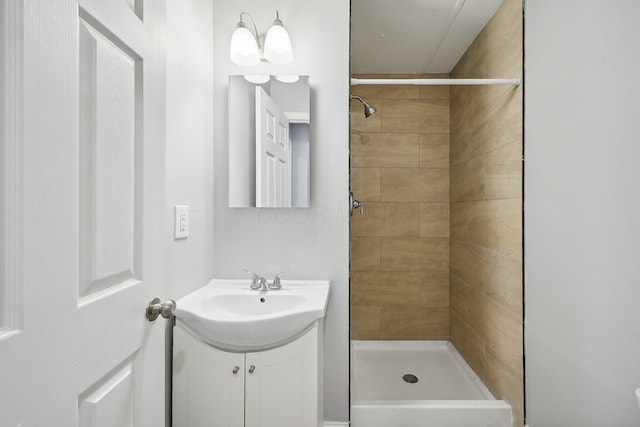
[{"x": 246, "y": 50}]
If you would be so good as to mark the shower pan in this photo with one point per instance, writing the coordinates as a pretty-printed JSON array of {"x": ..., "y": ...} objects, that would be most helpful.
[{"x": 410, "y": 383}]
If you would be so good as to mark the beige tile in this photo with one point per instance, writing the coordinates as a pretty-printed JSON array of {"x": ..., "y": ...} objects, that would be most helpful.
[
  {"x": 365, "y": 253},
  {"x": 385, "y": 289},
  {"x": 434, "y": 91},
  {"x": 464, "y": 145},
  {"x": 467, "y": 180},
  {"x": 365, "y": 184},
  {"x": 434, "y": 290},
  {"x": 507, "y": 383},
  {"x": 468, "y": 101},
  {"x": 399, "y": 288},
  {"x": 434, "y": 150},
  {"x": 415, "y": 254},
  {"x": 385, "y": 91},
  {"x": 497, "y": 224},
  {"x": 502, "y": 123},
  {"x": 503, "y": 279},
  {"x": 387, "y": 219},
  {"x": 467, "y": 263},
  {"x": 414, "y": 185},
  {"x": 465, "y": 142},
  {"x": 460, "y": 214},
  {"x": 503, "y": 172},
  {"x": 385, "y": 150},
  {"x": 496, "y": 274},
  {"x": 458, "y": 145},
  {"x": 434, "y": 220},
  {"x": 466, "y": 301},
  {"x": 365, "y": 323},
  {"x": 354, "y": 138},
  {"x": 469, "y": 344},
  {"x": 415, "y": 116},
  {"x": 488, "y": 126},
  {"x": 498, "y": 326},
  {"x": 414, "y": 323},
  {"x": 360, "y": 123},
  {"x": 501, "y": 329}
]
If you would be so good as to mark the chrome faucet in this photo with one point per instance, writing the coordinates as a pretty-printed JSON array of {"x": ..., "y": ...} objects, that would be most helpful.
[{"x": 259, "y": 283}]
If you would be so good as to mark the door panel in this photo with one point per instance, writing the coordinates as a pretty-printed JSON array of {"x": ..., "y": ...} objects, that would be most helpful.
[
  {"x": 108, "y": 402},
  {"x": 92, "y": 202},
  {"x": 109, "y": 183},
  {"x": 273, "y": 153}
]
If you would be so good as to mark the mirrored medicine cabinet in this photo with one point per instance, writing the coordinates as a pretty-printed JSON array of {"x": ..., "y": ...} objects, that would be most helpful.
[{"x": 269, "y": 141}]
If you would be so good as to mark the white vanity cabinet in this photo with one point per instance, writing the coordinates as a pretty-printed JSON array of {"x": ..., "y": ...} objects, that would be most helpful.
[{"x": 279, "y": 387}]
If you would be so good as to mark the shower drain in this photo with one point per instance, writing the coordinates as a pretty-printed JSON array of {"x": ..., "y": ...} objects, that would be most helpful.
[{"x": 410, "y": 378}]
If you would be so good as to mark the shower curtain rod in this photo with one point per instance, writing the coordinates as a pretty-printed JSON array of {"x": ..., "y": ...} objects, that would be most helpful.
[{"x": 444, "y": 82}]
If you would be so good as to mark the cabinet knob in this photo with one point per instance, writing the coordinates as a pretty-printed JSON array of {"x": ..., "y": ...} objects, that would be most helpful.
[
  {"x": 236, "y": 369},
  {"x": 251, "y": 369}
]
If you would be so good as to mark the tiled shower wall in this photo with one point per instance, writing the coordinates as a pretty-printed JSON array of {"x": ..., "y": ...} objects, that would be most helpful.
[
  {"x": 400, "y": 245},
  {"x": 486, "y": 209}
]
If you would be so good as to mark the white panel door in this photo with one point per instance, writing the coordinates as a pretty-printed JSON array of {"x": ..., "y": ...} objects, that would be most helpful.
[
  {"x": 273, "y": 153},
  {"x": 87, "y": 148}
]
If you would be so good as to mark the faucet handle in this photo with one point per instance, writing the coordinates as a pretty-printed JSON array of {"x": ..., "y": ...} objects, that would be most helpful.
[
  {"x": 276, "y": 281},
  {"x": 255, "y": 280},
  {"x": 255, "y": 276}
]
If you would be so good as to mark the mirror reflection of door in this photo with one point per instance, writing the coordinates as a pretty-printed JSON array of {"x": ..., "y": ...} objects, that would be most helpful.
[
  {"x": 260, "y": 175},
  {"x": 273, "y": 153}
]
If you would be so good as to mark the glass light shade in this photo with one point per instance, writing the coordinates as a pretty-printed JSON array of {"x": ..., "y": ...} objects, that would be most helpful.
[
  {"x": 244, "y": 48},
  {"x": 277, "y": 45}
]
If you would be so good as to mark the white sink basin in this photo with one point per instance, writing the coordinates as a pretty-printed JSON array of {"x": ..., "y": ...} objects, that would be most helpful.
[{"x": 228, "y": 315}]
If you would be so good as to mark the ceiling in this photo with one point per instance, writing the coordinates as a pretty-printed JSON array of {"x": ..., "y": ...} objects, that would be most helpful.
[{"x": 414, "y": 36}]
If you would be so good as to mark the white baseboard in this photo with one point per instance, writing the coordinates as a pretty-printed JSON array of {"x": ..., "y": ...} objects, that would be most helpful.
[{"x": 335, "y": 424}]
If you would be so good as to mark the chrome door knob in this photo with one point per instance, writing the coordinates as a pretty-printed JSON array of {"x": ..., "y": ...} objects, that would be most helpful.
[{"x": 156, "y": 308}]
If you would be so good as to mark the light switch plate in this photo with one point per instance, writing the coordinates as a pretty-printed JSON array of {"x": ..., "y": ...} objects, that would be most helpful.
[{"x": 181, "y": 222}]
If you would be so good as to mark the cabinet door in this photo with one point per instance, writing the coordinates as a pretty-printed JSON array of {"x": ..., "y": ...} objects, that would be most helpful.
[
  {"x": 206, "y": 391},
  {"x": 283, "y": 389}
]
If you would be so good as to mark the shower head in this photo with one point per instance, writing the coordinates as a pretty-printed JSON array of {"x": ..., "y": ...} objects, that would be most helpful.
[{"x": 368, "y": 108}]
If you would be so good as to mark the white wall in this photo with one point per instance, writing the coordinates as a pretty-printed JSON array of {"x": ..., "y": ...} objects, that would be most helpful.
[
  {"x": 189, "y": 167},
  {"x": 582, "y": 213},
  {"x": 312, "y": 243}
]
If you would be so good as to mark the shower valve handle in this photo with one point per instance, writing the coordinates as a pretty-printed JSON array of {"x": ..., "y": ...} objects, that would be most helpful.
[{"x": 355, "y": 204}]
